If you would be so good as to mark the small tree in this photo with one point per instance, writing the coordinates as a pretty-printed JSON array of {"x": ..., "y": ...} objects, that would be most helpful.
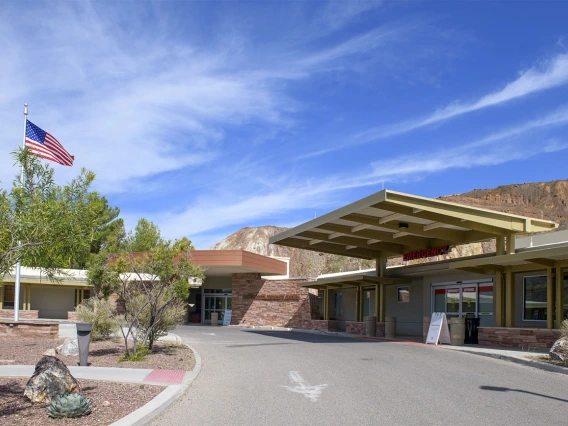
[
  {"x": 51, "y": 226},
  {"x": 151, "y": 284}
]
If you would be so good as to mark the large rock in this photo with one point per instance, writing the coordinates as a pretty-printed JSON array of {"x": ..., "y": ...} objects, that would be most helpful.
[
  {"x": 69, "y": 347},
  {"x": 559, "y": 351},
  {"x": 51, "y": 378}
]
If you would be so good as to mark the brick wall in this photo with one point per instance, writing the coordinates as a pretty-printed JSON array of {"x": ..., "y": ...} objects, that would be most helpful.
[
  {"x": 72, "y": 316},
  {"x": 380, "y": 329},
  {"x": 279, "y": 303},
  {"x": 39, "y": 330},
  {"x": 355, "y": 327},
  {"x": 521, "y": 338},
  {"x": 9, "y": 313},
  {"x": 323, "y": 325}
]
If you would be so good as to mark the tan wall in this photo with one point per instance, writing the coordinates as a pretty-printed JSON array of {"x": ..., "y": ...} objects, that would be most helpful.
[
  {"x": 52, "y": 301},
  {"x": 218, "y": 282}
]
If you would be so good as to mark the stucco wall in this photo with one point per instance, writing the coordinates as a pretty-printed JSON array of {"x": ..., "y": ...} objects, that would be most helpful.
[{"x": 53, "y": 301}]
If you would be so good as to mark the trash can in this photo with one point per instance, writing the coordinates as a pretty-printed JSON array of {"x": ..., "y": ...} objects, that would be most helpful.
[
  {"x": 214, "y": 318},
  {"x": 457, "y": 331},
  {"x": 371, "y": 326},
  {"x": 390, "y": 327},
  {"x": 84, "y": 330},
  {"x": 472, "y": 330}
]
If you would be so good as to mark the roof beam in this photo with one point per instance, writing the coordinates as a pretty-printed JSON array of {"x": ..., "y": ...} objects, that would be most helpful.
[
  {"x": 400, "y": 234},
  {"x": 313, "y": 242},
  {"x": 484, "y": 231},
  {"x": 332, "y": 249},
  {"x": 390, "y": 217},
  {"x": 360, "y": 227},
  {"x": 432, "y": 225},
  {"x": 545, "y": 262},
  {"x": 450, "y": 235},
  {"x": 358, "y": 242},
  {"x": 411, "y": 242},
  {"x": 335, "y": 235}
]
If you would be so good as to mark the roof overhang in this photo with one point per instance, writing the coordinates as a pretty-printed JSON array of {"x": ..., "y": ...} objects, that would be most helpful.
[
  {"x": 533, "y": 259},
  {"x": 228, "y": 262},
  {"x": 349, "y": 281},
  {"x": 390, "y": 223}
]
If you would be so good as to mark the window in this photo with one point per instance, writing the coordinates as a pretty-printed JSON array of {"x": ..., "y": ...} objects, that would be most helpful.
[
  {"x": 8, "y": 297},
  {"x": 534, "y": 299},
  {"x": 338, "y": 300},
  {"x": 403, "y": 294}
]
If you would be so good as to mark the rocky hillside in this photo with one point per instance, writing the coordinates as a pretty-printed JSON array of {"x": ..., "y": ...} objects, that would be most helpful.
[{"x": 544, "y": 200}]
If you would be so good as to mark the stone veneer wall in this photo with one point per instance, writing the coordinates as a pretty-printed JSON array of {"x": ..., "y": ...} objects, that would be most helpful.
[
  {"x": 522, "y": 338},
  {"x": 279, "y": 303},
  {"x": 38, "y": 330},
  {"x": 325, "y": 325},
  {"x": 9, "y": 313},
  {"x": 355, "y": 327},
  {"x": 72, "y": 316}
]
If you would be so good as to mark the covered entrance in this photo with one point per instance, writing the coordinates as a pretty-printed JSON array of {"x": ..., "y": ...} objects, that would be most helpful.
[
  {"x": 216, "y": 300},
  {"x": 468, "y": 298}
]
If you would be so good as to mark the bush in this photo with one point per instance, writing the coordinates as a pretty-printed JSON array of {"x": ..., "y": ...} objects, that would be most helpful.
[
  {"x": 100, "y": 313},
  {"x": 564, "y": 329},
  {"x": 170, "y": 318}
]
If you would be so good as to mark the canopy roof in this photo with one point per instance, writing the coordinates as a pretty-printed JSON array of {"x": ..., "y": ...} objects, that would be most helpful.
[{"x": 390, "y": 223}]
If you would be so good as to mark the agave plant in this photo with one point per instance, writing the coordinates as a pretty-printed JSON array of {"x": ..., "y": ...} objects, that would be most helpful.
[{"x": 69, "y": 405}]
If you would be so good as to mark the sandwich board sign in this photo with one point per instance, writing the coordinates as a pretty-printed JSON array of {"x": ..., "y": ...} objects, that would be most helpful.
[
  {"x": 439, "y": 331},
  {"x": 227, "y": 317}
]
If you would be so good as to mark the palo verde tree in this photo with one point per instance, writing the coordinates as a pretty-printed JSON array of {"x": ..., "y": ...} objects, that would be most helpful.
[
  {"x": 153, "y": 284},
  {"x": 51, "y": 226}
]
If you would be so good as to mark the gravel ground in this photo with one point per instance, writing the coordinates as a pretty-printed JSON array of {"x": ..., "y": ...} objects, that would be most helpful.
[
  {"x": 16, "y": 409},
  {"x": 105, "y": 353}
]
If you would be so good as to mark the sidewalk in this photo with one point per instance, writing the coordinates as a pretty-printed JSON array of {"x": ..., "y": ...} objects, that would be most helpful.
[{"x": 175, "y": 382}]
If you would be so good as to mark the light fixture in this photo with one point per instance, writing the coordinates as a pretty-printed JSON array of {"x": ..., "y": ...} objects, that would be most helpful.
[{"x": 403, "y": 225}]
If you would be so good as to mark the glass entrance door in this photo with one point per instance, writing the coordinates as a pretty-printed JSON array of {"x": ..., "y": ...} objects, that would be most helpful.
[
  {"x": 216, "y": 303},
  {"x": 459, "y": 300}
]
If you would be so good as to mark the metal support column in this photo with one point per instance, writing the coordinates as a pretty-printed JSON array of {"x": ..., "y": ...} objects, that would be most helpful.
[
  {"x": 377, "y": 301},
  {"x": 509, "y": 298},
  {"x": 549, "y": 298},
  {"x": 383, "y": 305},
  {"x": 559, "y": 296},
  {"x": 498, "y": 289},
  {"x": 326, "y": 304}
]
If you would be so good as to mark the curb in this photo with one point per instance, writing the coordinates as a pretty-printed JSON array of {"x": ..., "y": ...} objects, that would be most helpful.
[
  {"x": 522, "y": 361},
  {"x": 163, "y": 400}
]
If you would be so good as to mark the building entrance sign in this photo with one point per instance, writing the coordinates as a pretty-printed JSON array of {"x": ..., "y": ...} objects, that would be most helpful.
[
  {"x": 227, "y": 317},
  {"x": 423, "y": 254},
  {"x": 439, "y": 332}
]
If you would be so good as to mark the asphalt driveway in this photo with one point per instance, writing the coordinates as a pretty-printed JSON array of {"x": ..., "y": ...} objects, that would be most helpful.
[{"x": 255, "y": 377}]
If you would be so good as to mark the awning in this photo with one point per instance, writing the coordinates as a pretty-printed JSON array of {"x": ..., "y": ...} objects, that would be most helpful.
[
  {"x": 349, "y": 281},
  {"x": 530, "y": 259},
  {"x": 390, "y": 223}
]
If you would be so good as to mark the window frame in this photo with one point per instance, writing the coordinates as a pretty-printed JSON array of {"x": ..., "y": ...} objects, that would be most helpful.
[{"x": 524, "y": 299}]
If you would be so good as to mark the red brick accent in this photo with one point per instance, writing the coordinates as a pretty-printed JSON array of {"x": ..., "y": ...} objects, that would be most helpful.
[
  {"x": 279, "y": 303},
  {"x": 9, "y": 313},
  {"x": 355, "y": 327},
  {"x": 380, "y": 329},
  {"x": 521, "y": 338},
  {"x": 39, "y": 330},
  {"x": 72, "y": 316}
]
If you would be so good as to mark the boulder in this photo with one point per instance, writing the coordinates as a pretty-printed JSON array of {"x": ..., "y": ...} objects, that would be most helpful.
[
  {"x": 51, "y": 377},
  {"x": 69, "y": 348},
  {"x": 50, "y": 352},
  {"x": 559, "y": 351}
]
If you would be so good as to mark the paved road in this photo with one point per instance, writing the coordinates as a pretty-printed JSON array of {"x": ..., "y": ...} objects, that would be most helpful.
[{"x": 253, "y": 377}]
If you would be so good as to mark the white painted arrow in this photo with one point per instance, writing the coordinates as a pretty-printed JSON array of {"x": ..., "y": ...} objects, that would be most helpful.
[{"x": 313, "y": 393}]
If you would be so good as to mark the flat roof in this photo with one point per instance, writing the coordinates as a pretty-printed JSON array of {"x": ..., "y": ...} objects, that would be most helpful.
[
  {"x": 227, "y": 262},
  {"x": 390, "y": 223},
  {"x": 355, "y": 280}
]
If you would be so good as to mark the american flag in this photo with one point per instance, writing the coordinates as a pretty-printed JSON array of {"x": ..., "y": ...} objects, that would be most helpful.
[{"x": 46, "y": 146}]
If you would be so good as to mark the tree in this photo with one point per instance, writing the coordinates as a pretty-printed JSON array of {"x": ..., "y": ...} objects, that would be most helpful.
[
  {"x": 152, "y": 284},
  {"x": 51, "y": 226},
  {"x": 146, "y": 236}
]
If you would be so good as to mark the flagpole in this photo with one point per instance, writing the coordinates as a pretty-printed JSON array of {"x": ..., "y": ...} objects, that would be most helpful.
[{"x": 18, "y": 266}]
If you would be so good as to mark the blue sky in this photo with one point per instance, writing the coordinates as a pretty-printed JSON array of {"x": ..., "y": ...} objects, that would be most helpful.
[{"x": 207, "y": 117}]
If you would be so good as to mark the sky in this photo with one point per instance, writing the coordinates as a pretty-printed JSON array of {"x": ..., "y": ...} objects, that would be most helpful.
[{"x": 206, "y": 117}]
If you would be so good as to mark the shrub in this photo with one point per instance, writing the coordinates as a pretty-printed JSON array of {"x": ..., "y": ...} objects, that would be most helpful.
[
  {"x": 170, "y": 318},
  {"x": 100, "y": 313},
  {"x": 564, "y": 329}
]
